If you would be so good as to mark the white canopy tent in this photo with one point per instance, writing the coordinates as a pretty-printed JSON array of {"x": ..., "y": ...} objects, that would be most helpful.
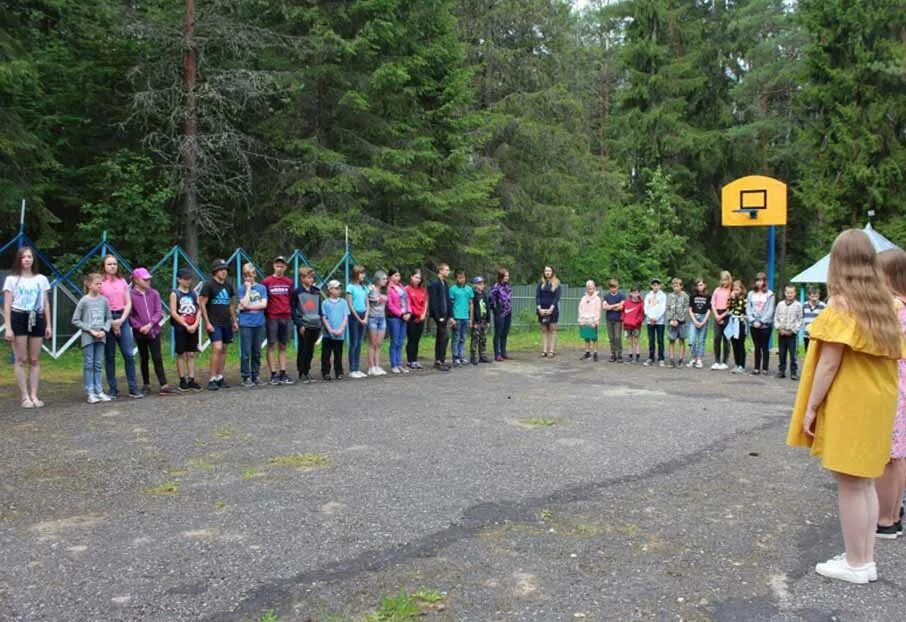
[{"x": 818, "y": 272}]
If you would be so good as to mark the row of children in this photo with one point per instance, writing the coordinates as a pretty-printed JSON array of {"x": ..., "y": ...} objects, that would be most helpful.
[{"x": 684, "y": 317}]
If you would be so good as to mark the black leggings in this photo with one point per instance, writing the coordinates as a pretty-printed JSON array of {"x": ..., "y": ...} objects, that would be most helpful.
[
  {"x": 307, "y": 341},
  {"x": 414, "y": 332},
  {"x": 739, "y": 347},
  {"x": 760, "y": 337},
  {"x": 440, "y": 343},
  {"x": 148, "y": 347},
  {"x": 721, "y": 347}
]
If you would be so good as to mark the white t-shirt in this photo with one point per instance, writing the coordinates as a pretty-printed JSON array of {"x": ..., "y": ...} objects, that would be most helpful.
[{"x": 27, "y": 291}]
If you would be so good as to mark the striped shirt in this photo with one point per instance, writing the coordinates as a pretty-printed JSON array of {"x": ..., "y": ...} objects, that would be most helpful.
[{"x": 810, "y": 313}]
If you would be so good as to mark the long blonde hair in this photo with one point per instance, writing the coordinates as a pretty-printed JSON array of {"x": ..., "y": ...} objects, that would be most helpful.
[
  {"x": 855, "y": 276},
  {"x": 725, "y": 276},
  {"x": 893, "y": 265},
  {"x": 553, "y": 282}
]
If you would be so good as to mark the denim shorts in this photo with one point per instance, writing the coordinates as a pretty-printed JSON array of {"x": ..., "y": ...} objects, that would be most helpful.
[
  {"x": 678, "y": 332},
  {"x": 222, "y": 332},
  {"x": 633, "y": 332},
  {"x": 377, "y": 323}
]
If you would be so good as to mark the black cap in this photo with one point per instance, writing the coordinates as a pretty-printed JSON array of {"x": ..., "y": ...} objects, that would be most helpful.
[
  {"x": 185, "y": 273},
  {"x": 279, "y": 259},
  {"x": 219, "y": 265},
  {"x": 655, "y": 280}
]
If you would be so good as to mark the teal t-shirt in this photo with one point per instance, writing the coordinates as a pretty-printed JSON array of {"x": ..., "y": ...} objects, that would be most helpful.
[
  {"x": 359, "y": 295},
  {"x": 462, "y": 298}
]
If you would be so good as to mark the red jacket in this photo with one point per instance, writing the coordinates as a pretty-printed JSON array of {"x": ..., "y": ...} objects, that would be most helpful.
[{"x": 633, "y": 313}]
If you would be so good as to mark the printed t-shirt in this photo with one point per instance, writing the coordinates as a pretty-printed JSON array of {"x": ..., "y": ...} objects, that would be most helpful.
[
  {"x": 186, "y": 305},
  {"x": 279, "y": 292},
  {"x": 27, "y": 291},
  {"x": 252, "y": 318},
  {"x": 219, "y": 296},
  {"x": 700, "y": 303}
]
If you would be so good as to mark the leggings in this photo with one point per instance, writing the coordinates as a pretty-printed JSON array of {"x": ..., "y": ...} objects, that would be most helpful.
[
  {"x": 739, "y": 347},
  {"x": 721, "y": 347},
  {"x": 307, "y": 341},
  {"x": 760, "y": 337},
  {"x": 414, "y": 331},
  {"x": 150, "y": 347},
  {"x": 440, "y": 343},
  {"x": 501, "y": 332}
]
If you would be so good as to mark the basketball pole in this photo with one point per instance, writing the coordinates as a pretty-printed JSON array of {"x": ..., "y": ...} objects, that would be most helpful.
[{"x": 772, "y": 249}]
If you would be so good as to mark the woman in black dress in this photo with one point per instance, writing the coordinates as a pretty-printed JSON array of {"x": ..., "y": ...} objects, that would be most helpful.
[{"x": 547, "y": 302}]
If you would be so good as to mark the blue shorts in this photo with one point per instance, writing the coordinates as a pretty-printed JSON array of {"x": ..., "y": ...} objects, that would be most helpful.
[
  {"x": 377, "y": 323},
  {"x": 223, "y": 332}
]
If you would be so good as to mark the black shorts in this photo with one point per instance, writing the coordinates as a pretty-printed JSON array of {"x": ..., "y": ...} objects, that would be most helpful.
[
  {"x": 184, "y": 341},
  {"x": 19, "y": 321},
  {"x": 279, "y": 330}
]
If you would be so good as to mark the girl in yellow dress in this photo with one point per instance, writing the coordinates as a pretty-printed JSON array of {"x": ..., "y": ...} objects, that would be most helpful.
[{"x": 847, "y": 398}]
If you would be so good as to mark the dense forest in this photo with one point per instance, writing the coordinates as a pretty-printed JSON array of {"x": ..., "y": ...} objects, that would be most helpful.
[{"x": 482, "y": 132}]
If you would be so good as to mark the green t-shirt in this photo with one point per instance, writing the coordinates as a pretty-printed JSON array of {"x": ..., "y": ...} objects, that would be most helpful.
[{"x": 461, "y": 298}]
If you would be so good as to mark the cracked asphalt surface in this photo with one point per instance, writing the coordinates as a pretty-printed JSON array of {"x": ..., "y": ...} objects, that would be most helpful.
[{"x": 525, "y": 491}]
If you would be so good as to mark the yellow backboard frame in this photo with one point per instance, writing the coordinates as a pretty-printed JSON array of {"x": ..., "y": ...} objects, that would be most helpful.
[{"x": 753, "y": 201}]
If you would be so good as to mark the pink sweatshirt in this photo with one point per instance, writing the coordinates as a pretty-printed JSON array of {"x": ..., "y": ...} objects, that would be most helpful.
[
  {"x": 720, "y": 299},
  {"x": 590, "y": 310}
]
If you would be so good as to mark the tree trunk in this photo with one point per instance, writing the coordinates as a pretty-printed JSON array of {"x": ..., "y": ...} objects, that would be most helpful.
[{"x": 190, "y": 209}]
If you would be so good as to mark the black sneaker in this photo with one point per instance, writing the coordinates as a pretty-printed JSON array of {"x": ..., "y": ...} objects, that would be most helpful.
[
  {"x": 247, "y": 383},
  {"x": 887, "y": 533},
  {"x": 781, "y": 374},
  {"x": 136, "y": 395},
  {"x": 223, "y": 384},
  {"x": 307, "y": 379},
  {"x": 183, "y": 385},
  {"x": 613, "y": 358},
  {"x": 620, "y": 360},
  {"x": 285, "y": 379},
  {"x": 794, "y": 376},
  {"x": 326, "y": 377},
  {"x": 594, "y": 357},
  {"x": 275, "y": 380},
  {"x": 473, "y": 361},
  {"x": 213, "y": 385},
  {"x": 194, "y": 385},
  {"x": 483, "y": 359},
  {"x": 339, "y": 376},
  {"x": 899, "y": 524},
  {"x": 585, "y": 356}
]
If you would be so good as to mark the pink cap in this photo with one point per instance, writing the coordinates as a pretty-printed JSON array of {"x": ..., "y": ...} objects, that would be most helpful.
[{"x": 141, "y": 273}]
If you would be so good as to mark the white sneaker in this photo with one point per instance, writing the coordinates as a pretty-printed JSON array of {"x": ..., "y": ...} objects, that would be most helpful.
[
  {"x": 723, "y": 367},
  {"x": 104, "y": 397},
  {"x": 379, "y": 371},
  {"x": 357, "y": 374},
  {"x": 395, "y": 370},
  {"x": 404, "y": 370},
  {"x": 715, "y": 367},
  {"x": 93, "y": 399},
  {"x": 838, "y": 568},
  {"x": 691, "y": 363},
  {"x": 698, "y": 364},
  {"x": 371, "y": 371}
]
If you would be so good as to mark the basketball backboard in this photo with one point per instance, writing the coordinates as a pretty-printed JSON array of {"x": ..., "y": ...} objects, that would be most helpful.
[{"x": 753, "y": 201}]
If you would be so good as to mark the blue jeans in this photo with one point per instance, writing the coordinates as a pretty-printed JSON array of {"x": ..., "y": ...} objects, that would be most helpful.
[
  {"x": 697, "y": 337},
  {"x": 460, "y": 330},
  {"x": 126, "y": 345},
  {"x": 356, "y": 336},
  {"x": 501, "y": 332},
  {"x": 397, "y": 331},
  {"x": 91, "y": 369},
  {"x": 250, "y": 338}
]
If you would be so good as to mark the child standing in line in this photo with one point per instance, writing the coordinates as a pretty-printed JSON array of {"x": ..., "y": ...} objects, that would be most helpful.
[
  {"x": 306, "y": 314},
  {"x": 735, "y": 330},
  {"x": 719, "y": 301},
  {"x": 760, "y": 317},
  {"x": 633, "y": 318},
  {"x": 676, "y": 314},
  {"x": 461, "y": 295},
  {"x": 377, "y": 322},
  {"x": 92, "y": 316},
  {"x": 357, "y": 300},
  {"x": 589, "y": 318},
  {"x": 501, "y": 301},
  {"x": 335, "y": 312},
  {"x": 613, "y": 305},
  {"x": 185, "y": 318},
  {"x": 252, "y": 325},
  {"x": 219, "y": 315},
  {"x": 787, "y": 321},
  {"x": 699, "y": 313},
  {"x": 810, "y": 311},
  {"x": 398, "y": 314},
  {"x": 145, "y": 322},
  {"x": 278, "y": 317},
  {"x": 418, "y": 309},
  {"x": 655, "y": 313},
  {"x": 480, "y": 320}
]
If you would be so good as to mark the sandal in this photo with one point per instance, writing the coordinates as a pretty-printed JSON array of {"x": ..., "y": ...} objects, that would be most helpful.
[
  {"x": 27, "y": 403},
  {"x": 544, "y": 355},
  {"x": 38, "y": 403}
]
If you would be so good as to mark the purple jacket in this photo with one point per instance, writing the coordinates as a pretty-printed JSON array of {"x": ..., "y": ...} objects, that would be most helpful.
[
  {"x": 146, "y": 308},
  {"x": 500, "y": 299}
]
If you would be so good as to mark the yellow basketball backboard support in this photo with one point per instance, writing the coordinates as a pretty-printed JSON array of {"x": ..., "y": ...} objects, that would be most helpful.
[{"x": 753, "y": 201}]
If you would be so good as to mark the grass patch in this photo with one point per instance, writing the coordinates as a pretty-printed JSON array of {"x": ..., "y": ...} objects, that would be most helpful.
[
  {"x": 428, "y": 596},
  {"x": 224, "y": 433},
  {"x": 546, "y": 515},
  {"x": 177, "y": 472},
  {"x": 249, "y": 473},
  {"x": 540, "y": 422},
  {"x": 301, "y": 461},
  {"x": 167, "y": 488},
  {"x": 219, "y": 504},
  {"x": 268, "y": 616},
  {"x": 398, "y": 608}
]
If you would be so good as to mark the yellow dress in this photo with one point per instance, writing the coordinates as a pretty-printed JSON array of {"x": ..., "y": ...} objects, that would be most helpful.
[{"x": 854, "y": 423}]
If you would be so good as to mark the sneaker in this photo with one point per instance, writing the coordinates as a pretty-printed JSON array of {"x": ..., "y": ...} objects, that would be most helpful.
[
  {"x": 899, "y": 525},
  {"x": 357, "y": 374},
  {"x": 794, "y": 376},
  {"x": 619, "y": 360},
  {"x": 194, "y": 385},
  {"x": 339, "y": 376},
  {"x": 213, "y": 385},
  {"x": 166, "y": 390},
  {"x": 285, "y": 379},
  {"x": 183, "y": 385},
  {"x": 275, "y": 379},
  {"x": 780, "y": 374},
  {"x": 379, "y": 371},
  {"x": 404, "y": 370},
  {"x": 691, "y": 363},
  {"x": 756, "y": 372},
  {"x": 417, "y": 365},
  {"x": 257, "y": 381},
  {"x": 699, "y": 364},
  {"x": 146, "y": 389},
  {"x": 613, "y": 358},
  {"x": 247, "y": 383},
  {"x": 648, "y": 363},
  {"x": 223, "y": 383},
  {"x": 738, "y": 370},
  {"x": 715, "y": 367},
  {"x": 838, "y": 568},
  {"x": 93, "y": 399},
  {"x": 104, "y": 397},
  {"x": 679, "y": 363},
  {"x": 484, "y": 359},
  {"x": 594, "y": 357},
  {"x": 371, "y": 371},
  {"x": 326, "y": 377},
  {"x": 136, "y": 395},
  {"x": 661, "y": 364},
  {"x": 441, "y": 367},
  {"x": 307, "y": 379},
  {"x": 498, "y": 358},
  {"x": 884, "y": 533},
  {"x": 396, "y": 370},
  {"x": 724, "y": 367}
]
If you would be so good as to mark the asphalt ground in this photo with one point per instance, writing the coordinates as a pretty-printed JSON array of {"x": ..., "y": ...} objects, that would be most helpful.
[{"x": 530, "y": 490}]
